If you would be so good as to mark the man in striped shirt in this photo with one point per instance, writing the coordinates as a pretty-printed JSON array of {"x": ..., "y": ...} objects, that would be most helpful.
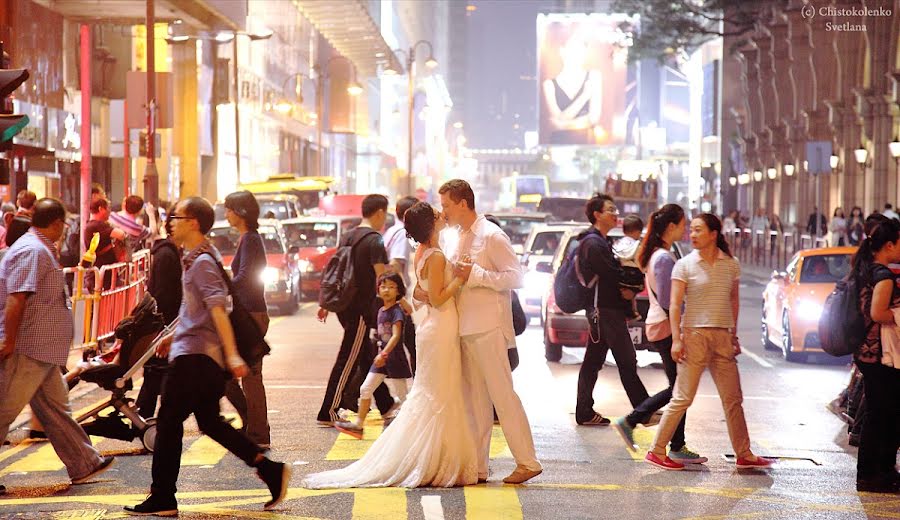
[{"x": 127, "y": 221}]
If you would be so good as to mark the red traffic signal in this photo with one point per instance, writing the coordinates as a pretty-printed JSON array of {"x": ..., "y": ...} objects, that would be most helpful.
[{"x": 10, "y": 79}]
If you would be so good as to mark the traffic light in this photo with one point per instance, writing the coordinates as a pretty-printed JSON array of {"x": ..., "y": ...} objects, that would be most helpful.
[{"x": 11, "y": 124}]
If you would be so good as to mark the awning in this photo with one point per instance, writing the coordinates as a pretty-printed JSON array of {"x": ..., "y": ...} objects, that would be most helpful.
[
  {"x": 195, "y": 13},
  {"x": 350, "y": 29}
]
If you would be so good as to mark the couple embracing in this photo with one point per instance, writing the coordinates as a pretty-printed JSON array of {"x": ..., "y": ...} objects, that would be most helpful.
[{"x": 441, "y": 437}]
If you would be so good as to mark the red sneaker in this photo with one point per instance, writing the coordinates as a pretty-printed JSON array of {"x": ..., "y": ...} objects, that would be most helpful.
[
  {"x": 664, "y": 463},
  {"x": 758, "y": 463}
]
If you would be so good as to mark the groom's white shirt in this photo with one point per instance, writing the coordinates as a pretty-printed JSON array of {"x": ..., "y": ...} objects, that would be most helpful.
[{"x": 484, "y": 302}]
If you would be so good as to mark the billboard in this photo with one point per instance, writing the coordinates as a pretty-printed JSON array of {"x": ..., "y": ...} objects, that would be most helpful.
[{"x": 585, "y": 95}]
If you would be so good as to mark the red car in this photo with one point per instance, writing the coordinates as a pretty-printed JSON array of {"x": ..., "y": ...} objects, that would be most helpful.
[
  {"x": 281, "y": 276},
  {"x": 312, "y": 241}
]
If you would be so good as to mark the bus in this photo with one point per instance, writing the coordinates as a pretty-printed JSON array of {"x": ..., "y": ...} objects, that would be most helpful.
[
  {"x": 522, "y": 191},
  {"x": 308, "y": 189}
]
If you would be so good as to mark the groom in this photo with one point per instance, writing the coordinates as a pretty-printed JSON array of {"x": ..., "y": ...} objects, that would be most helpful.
[{"x": 485, "y": 259}]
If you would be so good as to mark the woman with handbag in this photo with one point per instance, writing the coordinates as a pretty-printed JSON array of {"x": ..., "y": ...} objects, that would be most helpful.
[
  {"x": 657, "y": 260},
  {"x": 249, "y": 398}
]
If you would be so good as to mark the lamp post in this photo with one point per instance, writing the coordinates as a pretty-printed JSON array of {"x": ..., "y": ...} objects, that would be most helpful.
[
  {"x": 225, "y": 37},
  {"x": 353, "y": 88},
  {"x": 894, "y": 147},
  {"x": 431, "y": 63}
]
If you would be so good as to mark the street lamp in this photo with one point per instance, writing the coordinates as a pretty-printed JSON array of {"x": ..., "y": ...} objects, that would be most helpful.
[
  {"x": 732, "y": 180},
  {"x": 894, "y": 147},
  {"x": 834, "y": 161},
  {"x": 861, "y": 155},
  {"x": 789, "y": 169},
  {"x": 771, "y": 173},
  {"x": 757, "y": 175},
  {"x": 353, "y": 88},
  {"x": 431, "y": 63}
]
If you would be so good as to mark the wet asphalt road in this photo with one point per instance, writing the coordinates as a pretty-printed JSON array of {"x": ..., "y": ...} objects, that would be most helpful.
[{"x": 588, "y": 471}]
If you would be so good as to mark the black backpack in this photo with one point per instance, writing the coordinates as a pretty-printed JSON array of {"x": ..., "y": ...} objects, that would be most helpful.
[
  {"x": 572, "y": 291},
  {"x": 338, "y": 288},
  {"x": 842, "y": 327}
]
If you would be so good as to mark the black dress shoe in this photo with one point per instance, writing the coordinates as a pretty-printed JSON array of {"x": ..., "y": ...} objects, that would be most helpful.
[
  {"x": 878, "y": 485},
  {"x": 2, "y": 489},
  {"x": 277, "y": 477},
  {"x": 154, "y": 505}
]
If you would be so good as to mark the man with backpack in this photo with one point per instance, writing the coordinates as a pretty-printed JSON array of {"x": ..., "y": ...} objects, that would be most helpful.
[
  {"x": 348, "y": 289},
  {"x": 602, "y": 274}
]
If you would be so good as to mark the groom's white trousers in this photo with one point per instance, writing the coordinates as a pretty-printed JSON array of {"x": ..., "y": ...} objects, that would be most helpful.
[{"x": 488, "y": 380}]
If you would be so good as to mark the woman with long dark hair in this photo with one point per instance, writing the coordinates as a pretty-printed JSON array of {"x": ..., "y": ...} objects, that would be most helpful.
[
  {"x": 838, "y": 228},
  {"x": 856, "y": 227},
  {"x": 706, "y": 282},
  {"x": 656, "y": 259},
  {"x": 249, "y": 399},
  {"x": 880, "y": 436}
]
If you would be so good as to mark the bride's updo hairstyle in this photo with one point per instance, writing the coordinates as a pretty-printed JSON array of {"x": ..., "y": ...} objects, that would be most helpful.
[{"x": 419, "y": 221}]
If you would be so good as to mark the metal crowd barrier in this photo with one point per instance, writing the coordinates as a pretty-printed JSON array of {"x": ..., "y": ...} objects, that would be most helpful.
[
  {"x": 117, "y": 288},
  {"x": 772, "y": 249}
]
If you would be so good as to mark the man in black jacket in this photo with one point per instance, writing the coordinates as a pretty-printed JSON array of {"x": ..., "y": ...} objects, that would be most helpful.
[
  {"x": 607, "y": 320},
  {"x": 164, "y": 284}
]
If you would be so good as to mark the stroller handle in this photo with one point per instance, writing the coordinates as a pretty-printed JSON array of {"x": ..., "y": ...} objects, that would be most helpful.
[{"x": 151, "y": 351}]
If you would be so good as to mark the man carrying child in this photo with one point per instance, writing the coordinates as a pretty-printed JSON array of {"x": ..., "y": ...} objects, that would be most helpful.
[{"x": 608, "y": 319}]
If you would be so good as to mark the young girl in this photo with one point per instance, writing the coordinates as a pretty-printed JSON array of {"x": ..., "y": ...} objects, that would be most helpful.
[{"x": 390, "y": 365}]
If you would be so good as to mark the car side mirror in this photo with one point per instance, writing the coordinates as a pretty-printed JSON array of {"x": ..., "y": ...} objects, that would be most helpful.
[
  {"x": 524, "y": 258},
  {"x": 544, "y": 267},
  {"x": 779, "y": 275}
]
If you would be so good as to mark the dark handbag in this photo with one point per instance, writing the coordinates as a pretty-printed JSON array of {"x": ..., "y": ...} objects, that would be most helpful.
[
  {"x": 520, "y": 321},
  {"x": 251, "y": 342}
]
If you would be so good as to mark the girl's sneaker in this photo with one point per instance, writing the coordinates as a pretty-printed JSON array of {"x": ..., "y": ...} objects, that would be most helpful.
[
  {"x": 756, "y": 463},
  {"x": 686, "y": 456},
  {"x": 350, "y": 428}
]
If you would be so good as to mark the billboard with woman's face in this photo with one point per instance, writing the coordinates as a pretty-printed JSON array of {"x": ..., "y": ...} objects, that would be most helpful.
[{"x": 584, "y": 90}]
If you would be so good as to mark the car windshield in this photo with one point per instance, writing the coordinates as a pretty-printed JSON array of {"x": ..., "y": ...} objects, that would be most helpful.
[
  {"x": 545, "y": 243},
  {"x": 277, "y": 209},
  {"x": 518, "y": 228},
  {"x": 824, "y": 268},
  {"x": 226, "y": 240},
  {"x": 312, "y": 234}
]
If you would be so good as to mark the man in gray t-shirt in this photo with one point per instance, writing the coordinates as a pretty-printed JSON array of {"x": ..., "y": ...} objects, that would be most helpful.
[{"x": 200, "y": 350}]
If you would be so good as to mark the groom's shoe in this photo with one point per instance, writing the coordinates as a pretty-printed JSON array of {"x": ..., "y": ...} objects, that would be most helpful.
[{"x": 521, "y": 475}]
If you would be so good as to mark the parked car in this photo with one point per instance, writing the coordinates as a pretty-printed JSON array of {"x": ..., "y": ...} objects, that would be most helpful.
[
  {"x": 313, "y": 241},
  {"x": 572, "y": 330},
  {"x": 793, "y": 300},
  {"x": 540, "y": 246},
  {"x": 281, "y": 275},
  {"x": 518, "y": 226},
  {"x": 279, "y": 207}
]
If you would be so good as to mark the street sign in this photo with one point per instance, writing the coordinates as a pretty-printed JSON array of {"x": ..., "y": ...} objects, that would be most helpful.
[{"x": 818, "y": 157}]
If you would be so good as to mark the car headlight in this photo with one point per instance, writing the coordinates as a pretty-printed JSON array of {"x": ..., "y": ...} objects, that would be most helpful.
[
  {"x": 809, "y": 311},
  {"x": 270, "y": 275},
  {"x": 305, "y": 266}
]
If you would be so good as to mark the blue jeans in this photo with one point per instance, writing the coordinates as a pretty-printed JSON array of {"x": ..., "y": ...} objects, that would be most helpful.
[{"x": 24, "y": 380}]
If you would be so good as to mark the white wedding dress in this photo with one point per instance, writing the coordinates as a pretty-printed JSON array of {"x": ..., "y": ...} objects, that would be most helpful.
[{"x": 431, "y": 442}]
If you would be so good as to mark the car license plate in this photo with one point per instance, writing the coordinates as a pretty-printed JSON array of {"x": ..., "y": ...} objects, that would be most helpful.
[{"x": 637, "y": 335}]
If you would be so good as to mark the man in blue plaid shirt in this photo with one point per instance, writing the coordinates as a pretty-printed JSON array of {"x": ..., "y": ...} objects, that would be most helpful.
[{"x": 36, "y": 332}]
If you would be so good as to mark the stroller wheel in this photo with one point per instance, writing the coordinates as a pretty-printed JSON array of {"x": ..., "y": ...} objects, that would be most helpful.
[{"x": 148, "y": 437}]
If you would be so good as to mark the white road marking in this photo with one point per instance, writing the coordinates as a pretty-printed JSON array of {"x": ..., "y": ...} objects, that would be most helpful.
[
  {"x": 758, "y": 359},
  {"x": 295, "y": 387},
  {"x": 432, "y": 508}
]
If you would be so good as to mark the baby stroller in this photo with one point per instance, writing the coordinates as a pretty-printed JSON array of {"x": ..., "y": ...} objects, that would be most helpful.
[{"x": 138, "y": 336}]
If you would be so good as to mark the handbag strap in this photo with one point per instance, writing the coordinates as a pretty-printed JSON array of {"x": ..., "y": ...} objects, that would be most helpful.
[{"x": 231, "y": 292}]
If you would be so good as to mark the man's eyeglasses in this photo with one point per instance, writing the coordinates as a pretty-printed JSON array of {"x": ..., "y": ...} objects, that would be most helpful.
[
  {"x": 179, "y": 217},
  {"x": 612, "y": 211}
]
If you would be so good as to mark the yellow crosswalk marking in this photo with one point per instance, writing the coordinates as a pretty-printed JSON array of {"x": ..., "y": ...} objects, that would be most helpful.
[
  {"x": 643, "y": 437},
  {"x": 43, "y": 459},
  {"x": 348, "y": 448},
  {"x": 499, "y": 448},
  {"x": 203, "y": 452},
  {"x": 375, "y": 503},
  {"x": 496, "y": 502}
]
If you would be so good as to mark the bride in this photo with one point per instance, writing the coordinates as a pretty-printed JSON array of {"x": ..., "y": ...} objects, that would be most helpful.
[{"x": 431, "y": 442}]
